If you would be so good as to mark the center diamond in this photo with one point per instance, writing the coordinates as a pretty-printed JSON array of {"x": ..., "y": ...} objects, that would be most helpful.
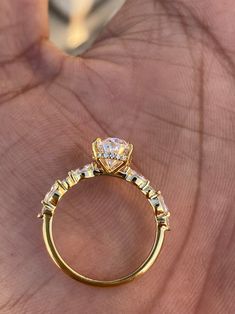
[{"x": 112, "y": 153}]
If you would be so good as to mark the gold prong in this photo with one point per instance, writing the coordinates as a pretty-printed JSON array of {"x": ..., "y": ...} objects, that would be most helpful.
[
  {"x": 131, "y": 149},
  {"x": 94, "y": 150},
  {"x": 48, "y": 205},
  {"x": 63, "y": 184},
  {"x": 108, "y": 171},
  {"x": 72, "y": 178},
  {"x": 98, "y": 139},
  {"x": 129, "y": 154},
  {"x": 152, "y": 194},
  {"x": 145, "y": 188},
  {"x": 94, "y": 146}
]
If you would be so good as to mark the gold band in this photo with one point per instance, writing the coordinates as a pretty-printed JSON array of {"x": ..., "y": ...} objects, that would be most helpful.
[{"x": 98, "y": 168}]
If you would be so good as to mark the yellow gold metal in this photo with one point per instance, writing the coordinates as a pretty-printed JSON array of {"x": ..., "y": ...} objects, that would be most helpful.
[{"x": 123, "y": 171}]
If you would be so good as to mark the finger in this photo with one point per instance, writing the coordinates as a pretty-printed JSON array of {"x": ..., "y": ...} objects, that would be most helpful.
[{"x": 23, "y": 24}]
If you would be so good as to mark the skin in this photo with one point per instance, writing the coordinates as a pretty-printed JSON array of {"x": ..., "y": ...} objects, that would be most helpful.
[{"x": 161, "y": 76}]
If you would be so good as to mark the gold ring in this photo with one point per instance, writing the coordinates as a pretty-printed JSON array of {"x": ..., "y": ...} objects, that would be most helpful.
[{"x": 112, "y": 156}]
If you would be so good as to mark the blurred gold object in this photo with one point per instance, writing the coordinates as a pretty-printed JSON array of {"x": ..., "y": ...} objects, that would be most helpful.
[
  {"x": 78, "y": 32},
  {"x": 75, "y": 24},
  {"x": 112, "y": 156}
]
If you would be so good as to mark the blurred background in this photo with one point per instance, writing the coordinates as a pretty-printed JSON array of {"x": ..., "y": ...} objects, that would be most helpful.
[{"x": 75, "y": 24}]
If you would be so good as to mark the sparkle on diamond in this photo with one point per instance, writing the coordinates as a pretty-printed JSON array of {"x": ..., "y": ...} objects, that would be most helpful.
[
  {"x": 113, "y": 150},
  {"x": 113, "y": 146}
]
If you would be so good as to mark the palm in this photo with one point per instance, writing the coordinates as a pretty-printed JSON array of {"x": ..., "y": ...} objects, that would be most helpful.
[{"x": 159, "y": 78}]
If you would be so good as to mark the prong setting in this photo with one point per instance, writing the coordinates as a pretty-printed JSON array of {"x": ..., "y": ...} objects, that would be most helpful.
[{"x": 112, "y": 154}]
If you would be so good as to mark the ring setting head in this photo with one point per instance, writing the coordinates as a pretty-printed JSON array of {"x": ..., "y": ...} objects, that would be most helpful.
[{"x": 111, "y": 153}]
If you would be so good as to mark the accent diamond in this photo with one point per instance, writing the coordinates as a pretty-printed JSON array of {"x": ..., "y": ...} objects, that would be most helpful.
[
  {"x": 162, "y": 204},
  {"x": 51, "y": 193}
]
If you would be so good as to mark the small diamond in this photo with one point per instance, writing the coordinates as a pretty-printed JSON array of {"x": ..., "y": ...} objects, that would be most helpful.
[
  {"x": 162, "y": 204},
  {"x": 51, "y": 193},
  {"x": 88, "y": 171},
  {"x": 77, "y": 172},
  {"x": 87, "y": 168},
  {"x": 142, "y": 177},
  {"x": 137, "y": 175}
]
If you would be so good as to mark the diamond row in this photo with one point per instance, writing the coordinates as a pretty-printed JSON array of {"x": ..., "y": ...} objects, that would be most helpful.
[
  {"x": 112, "y": 156},
  {"x": 90, "y": 170}
]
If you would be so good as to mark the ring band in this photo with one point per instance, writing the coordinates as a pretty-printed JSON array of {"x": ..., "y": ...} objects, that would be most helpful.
[{"x": 112, "y": 157}]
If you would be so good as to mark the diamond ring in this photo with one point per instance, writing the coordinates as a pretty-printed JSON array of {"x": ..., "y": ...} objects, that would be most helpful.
[{"x": 112, "y": 156}]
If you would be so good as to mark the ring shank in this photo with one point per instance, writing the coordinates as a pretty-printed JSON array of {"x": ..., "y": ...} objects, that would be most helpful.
[
  {"x": 51, "y": 248},
  {"x": 59, "y": 261}
]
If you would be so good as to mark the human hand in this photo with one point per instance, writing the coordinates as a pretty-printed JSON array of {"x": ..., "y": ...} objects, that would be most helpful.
[{"x": 162, "y": 77}]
